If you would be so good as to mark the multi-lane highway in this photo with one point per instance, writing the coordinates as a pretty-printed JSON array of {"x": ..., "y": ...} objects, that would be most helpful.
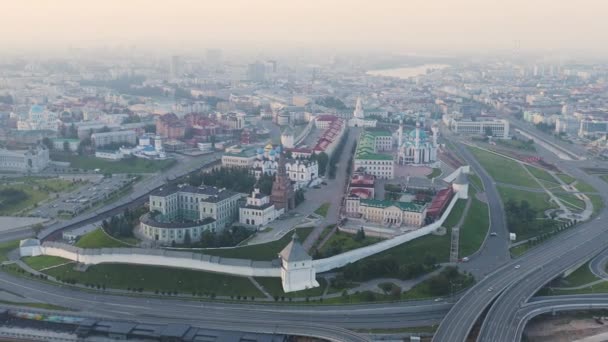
[
  {"x": 243, "y": 317},
  {"x": 512, "y": 287}
]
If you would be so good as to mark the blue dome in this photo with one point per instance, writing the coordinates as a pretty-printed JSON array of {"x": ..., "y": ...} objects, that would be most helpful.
[
  {"x": 423, "y": 136},
  {"x": 260, "y": 150},
  {"x": 272, "y": 152},
  {"x": 149, "y": 148},
  {"x": 278, "y": 149},
  {"x": 37, "y": 109}
]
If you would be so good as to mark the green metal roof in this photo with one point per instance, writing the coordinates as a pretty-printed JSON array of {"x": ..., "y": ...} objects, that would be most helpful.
[
  {"x": 366, "y": 146},
  {"x": 407, "y": 206}
]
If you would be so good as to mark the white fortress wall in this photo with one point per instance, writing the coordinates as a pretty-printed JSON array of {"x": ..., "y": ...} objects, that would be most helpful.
[{"x": 240, "y": 267}]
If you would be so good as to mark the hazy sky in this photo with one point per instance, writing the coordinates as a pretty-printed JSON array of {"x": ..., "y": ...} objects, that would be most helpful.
[{"x": 405, "y": 25}]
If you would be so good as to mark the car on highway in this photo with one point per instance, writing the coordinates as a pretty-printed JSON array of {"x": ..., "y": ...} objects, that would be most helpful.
[
  {"x": 517, "y": 267},
  {"x": 493, "y": 234},
  {"x": 490, "y": 289}
]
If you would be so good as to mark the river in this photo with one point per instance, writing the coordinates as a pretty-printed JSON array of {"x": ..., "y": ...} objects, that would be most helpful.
[{"x": 407, "y": 72}]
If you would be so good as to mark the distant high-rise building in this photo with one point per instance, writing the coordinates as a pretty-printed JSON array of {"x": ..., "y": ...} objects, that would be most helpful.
[
  {"x": 214, "y": 57},
  {"x": 175, "y": 67},
  {"x": 256, "y": 72}
]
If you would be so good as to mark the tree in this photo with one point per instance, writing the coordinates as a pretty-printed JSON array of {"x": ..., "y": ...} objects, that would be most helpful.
[
  {"x": 488, "y": 132},
  {"x": 47, "y": 142},
  {"x": 360, "y": 236},
  {"x": 187, "y": 240},
  {"x": 37, "y": 228},
  {"x": 322, "y": 159},
  {"x": 73, "y": 132}
]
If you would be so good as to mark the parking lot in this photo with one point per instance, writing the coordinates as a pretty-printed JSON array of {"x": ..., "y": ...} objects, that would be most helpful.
[{"x": 72, "y": 203}]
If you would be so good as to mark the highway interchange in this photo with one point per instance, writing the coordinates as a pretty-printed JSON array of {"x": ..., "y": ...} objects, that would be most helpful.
[{"x": 511, "y": 288}]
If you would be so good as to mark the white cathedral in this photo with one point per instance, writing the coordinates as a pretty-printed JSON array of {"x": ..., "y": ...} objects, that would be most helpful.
[
  {"x": 416, "y": 147},
  {"x": 303, "y": 172}
]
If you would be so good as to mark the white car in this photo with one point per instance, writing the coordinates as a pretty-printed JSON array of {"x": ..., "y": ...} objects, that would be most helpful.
[
  {"x": 490, "y": 289},
  {"x": 517, "y": 266}
]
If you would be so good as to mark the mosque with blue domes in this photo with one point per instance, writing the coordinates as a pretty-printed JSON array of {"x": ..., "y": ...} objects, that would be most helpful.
[{"x": 416, "y": 147}]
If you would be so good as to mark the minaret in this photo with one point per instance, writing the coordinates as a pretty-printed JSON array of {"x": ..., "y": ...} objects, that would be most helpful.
[
  {"x": 400, "y": 154},
  {"x": 435, "y": 130},
  {"x": 417, "y": 143},
  {"x": 358, "y": 113}
]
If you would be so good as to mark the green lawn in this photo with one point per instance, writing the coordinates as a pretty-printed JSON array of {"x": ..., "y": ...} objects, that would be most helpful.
[
  {"x": 151, "y": 278},
  {"x": 597, "y": 288},
  {"x": 423, "y": 290},
  {"x": 129, "y": 165},
  {"x": 476, "y": 181},
  {"x": 584, "y": 187},
  {"x": 44, "y": 261},
  {"x": 581, "y": 276},
  {"x": 597, "y": 202},
  {"x": 322, "y": 210},
  {"x": 341, "y": 242},
  {"x": 12, "y": 207},
  {"x": 274, "y": 288},
  {"x": 604, "y": 177},
  {"x": 504, "y": 170},
  {"x": 519, "y": 250},
  {"x": 415, "y": 251},
  {"x": 541, "y": 174},
  {"x": 37, "y": 189},
  {"x": 474, "y": 228},
  {"x": 570, "y": 200},
  {"x": 537, "y": 200},
  {"x": 455, "y": 214},
  {"x": 98, "y": 239},
  {"x": 266, "y": 251},
  {"x": 6, "y": 247},
  {"x": 436, "y": 173},
  {"x": 566, "y": 178},
  {"x": 517, "y": 144}
]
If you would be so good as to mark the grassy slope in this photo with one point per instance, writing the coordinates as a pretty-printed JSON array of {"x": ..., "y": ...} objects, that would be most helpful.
[
  {"x": 503, "y": 170},
  {"x": 98, "y": 239},
  {"x": 131, "y": 165},
  {"x": 266, "y": 251},
  {"x": 474, "y": 228},
  {"x": 44, "y": 261},
  {"x": 151, "y": 278}
]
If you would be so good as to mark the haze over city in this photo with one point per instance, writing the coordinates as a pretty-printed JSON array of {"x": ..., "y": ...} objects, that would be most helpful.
[{"x": 576, "y": 27}]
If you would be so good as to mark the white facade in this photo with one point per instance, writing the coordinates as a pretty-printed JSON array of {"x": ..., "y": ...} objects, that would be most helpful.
[
  {"x": 303, "y": 172},
  {"x": 186, "y": 202},
  {"x": 258, "y": 211},
  {"x": 103, "y": 139},
  {"x": 499, "y": 127},
  {"x": 238, "y": 157},
  {"x": 32, "y": 160}
]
